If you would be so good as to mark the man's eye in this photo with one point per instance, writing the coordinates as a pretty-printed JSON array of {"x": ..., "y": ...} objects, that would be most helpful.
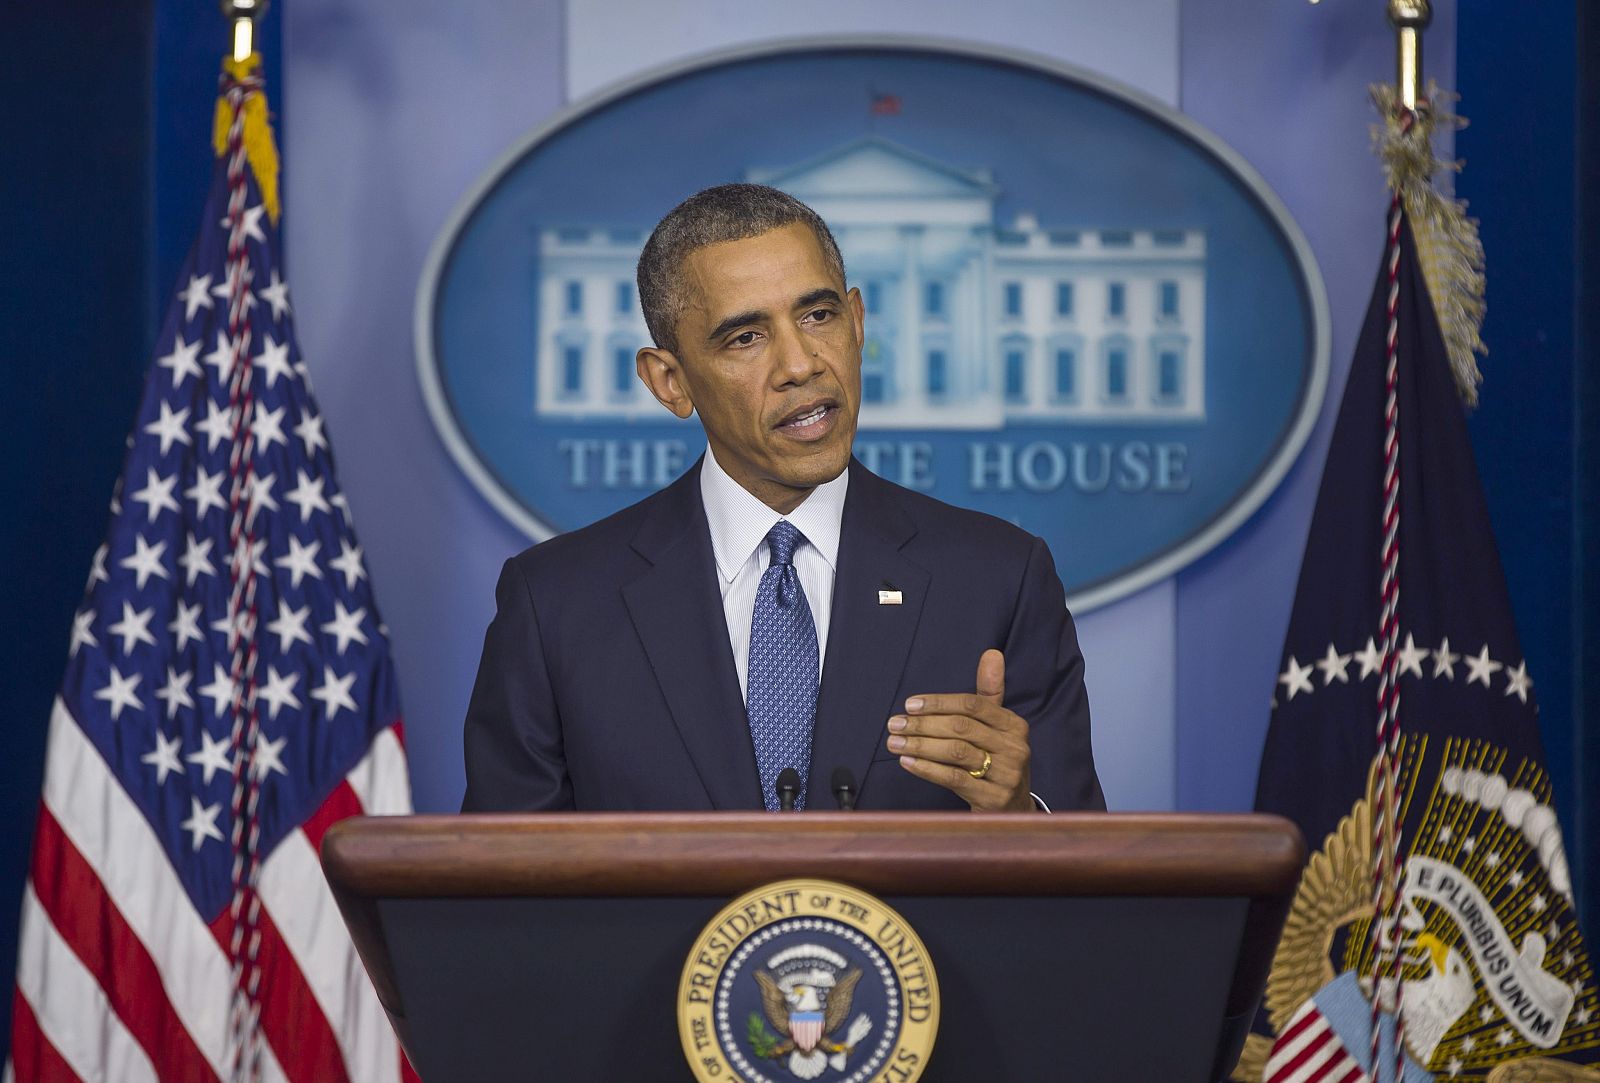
[
  {"x": 745, "y": 338},
  {"x": 820, "y": 315}
]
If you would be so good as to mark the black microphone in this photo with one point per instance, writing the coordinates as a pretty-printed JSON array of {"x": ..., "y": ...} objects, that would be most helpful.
[
  {"x": 788, "y": 789},
  {"x": 844, "y": 789}
]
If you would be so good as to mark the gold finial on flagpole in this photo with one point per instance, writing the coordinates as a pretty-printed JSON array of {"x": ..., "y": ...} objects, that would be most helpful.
[
  {"x": 1409, "y": 19},
  {"x": 244, "y": 14}
]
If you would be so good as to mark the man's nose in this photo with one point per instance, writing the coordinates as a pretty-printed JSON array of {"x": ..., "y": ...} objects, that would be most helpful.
[{"x": 799, "y": 359}]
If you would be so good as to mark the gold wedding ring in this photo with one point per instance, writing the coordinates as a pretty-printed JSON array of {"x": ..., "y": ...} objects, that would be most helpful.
[{"x": 988, "y": 761}]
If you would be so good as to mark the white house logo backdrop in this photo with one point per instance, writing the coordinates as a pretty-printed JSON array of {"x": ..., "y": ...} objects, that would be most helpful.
[{"x": 1084, "y": 313}]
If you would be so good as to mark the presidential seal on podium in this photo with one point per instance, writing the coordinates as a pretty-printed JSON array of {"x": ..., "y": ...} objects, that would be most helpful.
[{"x": 808, "y": 979}]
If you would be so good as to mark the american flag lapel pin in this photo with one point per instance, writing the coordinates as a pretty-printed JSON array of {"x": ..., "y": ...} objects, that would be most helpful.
[{"x": 888, "y": 595}]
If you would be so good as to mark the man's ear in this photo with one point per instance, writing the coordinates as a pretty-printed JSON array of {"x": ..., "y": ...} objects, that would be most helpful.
[
  {"x": 857, "y": 312},
  {"x": 662, "y": 373}
]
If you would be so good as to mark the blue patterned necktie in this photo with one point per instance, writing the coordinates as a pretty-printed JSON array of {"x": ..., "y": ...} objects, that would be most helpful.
[{"x": 781, "y": 678}]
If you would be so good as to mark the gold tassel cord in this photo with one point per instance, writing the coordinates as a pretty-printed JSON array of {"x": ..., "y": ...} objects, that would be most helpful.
[
  {"x": 260, "y": 150},
  {"x": 1448, "y": 245}
]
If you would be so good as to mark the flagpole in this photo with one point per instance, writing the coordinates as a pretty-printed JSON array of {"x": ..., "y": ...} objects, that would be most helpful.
[
  {"x": 244, "y": 14},
  {"x": 1409, "y": 19}
]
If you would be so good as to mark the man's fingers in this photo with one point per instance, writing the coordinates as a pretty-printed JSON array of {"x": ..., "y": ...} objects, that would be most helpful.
[
  {"x": 992, "y": 676},
  {"x": 983, "y": 794},
  {"x": 961, "y": 727},
  {"x": 983, "y": 709},
  {"x": 956, "y": 753}
]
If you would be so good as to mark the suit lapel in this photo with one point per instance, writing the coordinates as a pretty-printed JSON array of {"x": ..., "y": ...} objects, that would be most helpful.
[
  {"x": 677, "y": 612},
  {"x": 868, "y": 642}
]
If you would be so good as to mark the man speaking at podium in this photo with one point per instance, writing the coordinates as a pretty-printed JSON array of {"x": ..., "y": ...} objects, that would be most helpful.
[{"x": 779, "y": 607}]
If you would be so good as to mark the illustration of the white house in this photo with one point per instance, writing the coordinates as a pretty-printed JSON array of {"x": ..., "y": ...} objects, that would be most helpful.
[{"x": 969, "y": 324}]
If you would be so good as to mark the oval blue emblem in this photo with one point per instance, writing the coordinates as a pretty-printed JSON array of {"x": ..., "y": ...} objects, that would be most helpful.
[{"x": 1085, "y": 314}]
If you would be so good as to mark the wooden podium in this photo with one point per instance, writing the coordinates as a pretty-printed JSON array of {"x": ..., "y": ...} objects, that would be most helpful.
[{"x": 1119, "y": 947}]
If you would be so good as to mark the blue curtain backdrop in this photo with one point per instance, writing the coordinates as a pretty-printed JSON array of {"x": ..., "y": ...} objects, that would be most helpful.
[{"x": 106, "y": 110}]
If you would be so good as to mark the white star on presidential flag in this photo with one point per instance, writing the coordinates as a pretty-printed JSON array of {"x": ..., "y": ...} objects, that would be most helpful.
[
  {"x": 145, "y": 561},
  {"x": 186, "y": 624},
  {"x": 348, "y": 562},
  {"x": 196, "y": 559},
  {"x": 232, "y": 274},
  {"x": 273, "y": 360},
  {"x": 119, "y": 692},
  {"x": 206, "y": 492},
  {"x": 184, "y": 361},
  {"x": 269, "y": 757},
  {"x": 1518, "y": 683},
  {"x": 202, "y": 822},
  {"x": 1296, "y": 678},
  {"x": 175, "y": 693},
  {"x": 81, "y": 635},
  {"x": 307, "y": 495},
  {"x": 335, "y": 692},
  {"x": 1444, "y": 661},
  {"x": 309, "y": 430},
  {"x": 220, "y": 690},
  {"x": 301, "y": 561},
  {"x": 290, "y": 626},
  {"x": 346, "y": 625},
  {"x": 97, "y": 565},
  {"x": 261, "y": 495},
  {"x": 133, "y": 628},
  {"x": 212, "y": 757},
  {"x": 164, "y": 757},
  {"x": 1335, "y": 667},
  {"x": 221, "y": 358},
  {"x": 277, "y": 295},
  {"x": 196, "y": 295},
  {"x": 156, "y": 495},
  {"x": 1411, "y": 657},
  {"x": 1370, "y": 658},
  {"x": 251, "y": 224},
  {"x": 279, "y": 692},
  {"x": 1481, "y": 668},
  {"x": 170, "y": 428},
  {"x": 268, "y": 427},
  {"x": 217, "y": 426}
]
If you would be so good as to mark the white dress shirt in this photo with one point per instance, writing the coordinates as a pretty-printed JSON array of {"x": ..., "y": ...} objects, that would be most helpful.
[{"x": 739, "y": 524}]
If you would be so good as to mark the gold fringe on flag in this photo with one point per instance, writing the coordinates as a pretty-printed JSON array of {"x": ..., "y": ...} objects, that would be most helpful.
[
  {"x": 1448, "y": 245},
  {"x": 260, "y": 151}
]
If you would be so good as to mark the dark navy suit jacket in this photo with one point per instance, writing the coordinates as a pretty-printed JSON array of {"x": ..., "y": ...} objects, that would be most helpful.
[{"x": 607, "y": 681}]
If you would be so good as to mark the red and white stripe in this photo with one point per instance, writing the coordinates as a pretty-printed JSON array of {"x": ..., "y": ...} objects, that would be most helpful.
[
  {"x": 120, "y": 979},
  {"x": 1309, "y": 1051}
]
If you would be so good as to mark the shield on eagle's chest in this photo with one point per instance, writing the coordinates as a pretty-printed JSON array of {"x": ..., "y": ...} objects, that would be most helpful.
[{"x": 806, "y": 1029}]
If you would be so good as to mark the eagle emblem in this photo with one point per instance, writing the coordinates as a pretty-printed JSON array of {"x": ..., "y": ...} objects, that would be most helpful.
[{"x": 806, "y": 992}]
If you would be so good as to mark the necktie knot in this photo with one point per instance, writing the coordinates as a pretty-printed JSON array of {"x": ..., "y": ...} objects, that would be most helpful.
[{"x": 782, "y": 540}]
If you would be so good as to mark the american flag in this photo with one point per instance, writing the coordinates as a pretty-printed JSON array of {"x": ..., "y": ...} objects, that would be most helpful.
[{"x": 228, "y": 696}]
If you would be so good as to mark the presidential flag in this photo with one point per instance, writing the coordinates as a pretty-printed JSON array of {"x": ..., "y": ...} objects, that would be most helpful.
[
  {"x": 1433, "y": 934},
  {"x": 228, "y": 695}
]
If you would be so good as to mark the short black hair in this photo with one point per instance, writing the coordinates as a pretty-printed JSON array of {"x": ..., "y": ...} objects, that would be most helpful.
[{"x": 728, "y": 212}]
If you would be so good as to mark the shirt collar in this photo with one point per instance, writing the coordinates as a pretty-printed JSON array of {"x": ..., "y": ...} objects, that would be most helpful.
[{"x": 739, "y": 522}]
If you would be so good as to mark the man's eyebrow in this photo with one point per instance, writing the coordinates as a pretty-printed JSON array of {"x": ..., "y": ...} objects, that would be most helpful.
[
  {"x": 818, "y": 296},
  {"x": 738, "y": 319}
]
